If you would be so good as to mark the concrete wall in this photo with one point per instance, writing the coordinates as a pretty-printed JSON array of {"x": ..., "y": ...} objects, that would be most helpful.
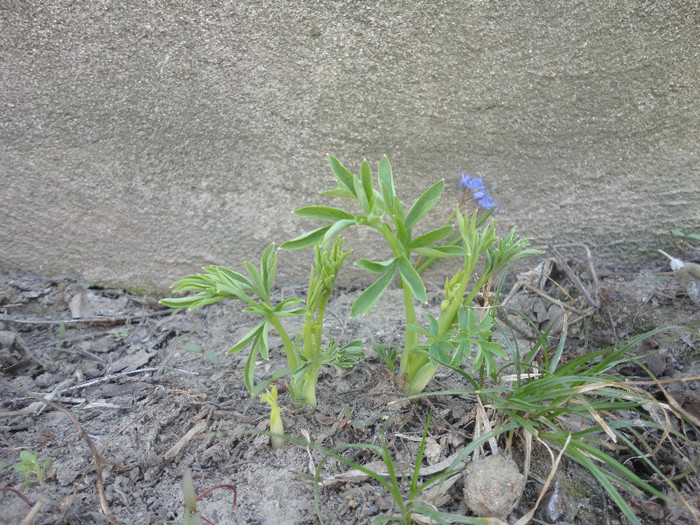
[{"x": 141, "y": 140}]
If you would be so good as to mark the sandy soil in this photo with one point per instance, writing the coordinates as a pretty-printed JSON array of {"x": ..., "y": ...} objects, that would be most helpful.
[{"x": 152, "y": 408}]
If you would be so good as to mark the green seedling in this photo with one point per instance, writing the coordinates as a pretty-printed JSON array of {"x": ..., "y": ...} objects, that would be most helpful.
[
  {"x": 61, "y": 335},
  {"x": 305, "y": 353},
  {"x": 389, "y": 354},
  {"x": 276, "y": 426},
  {"x": 29, "y": 466},
  {"x": 192, "y": 515}
]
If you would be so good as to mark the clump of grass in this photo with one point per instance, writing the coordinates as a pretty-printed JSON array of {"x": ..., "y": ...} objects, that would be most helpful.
[{"x": 583, "y": 409}]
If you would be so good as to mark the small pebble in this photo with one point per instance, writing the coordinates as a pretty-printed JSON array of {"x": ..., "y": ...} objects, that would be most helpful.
[
  {"x": 45, "y": 380},
  {"x": 492, "y": 486}
]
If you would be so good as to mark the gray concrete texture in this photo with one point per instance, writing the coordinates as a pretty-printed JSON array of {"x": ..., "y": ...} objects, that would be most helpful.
[{"x": 142, "y": 140}]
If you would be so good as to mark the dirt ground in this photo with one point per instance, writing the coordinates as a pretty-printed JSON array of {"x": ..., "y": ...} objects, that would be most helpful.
[{"x": 152, "y": 407}]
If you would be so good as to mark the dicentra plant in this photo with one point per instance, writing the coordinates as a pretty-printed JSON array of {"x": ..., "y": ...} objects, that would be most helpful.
[
  {"x": 305, "y": 352},
  {"x": 451, "y": 336}
]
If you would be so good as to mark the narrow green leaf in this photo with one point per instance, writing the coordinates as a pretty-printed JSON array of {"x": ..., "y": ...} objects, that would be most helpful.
[
  {"x": 249, "y": 371},
  {"x": 268, "y": 267},
  {"x": 287, "y": 303},
  {"x": 232, "y": 277},
  {"x": 336, "y": 228},
  {"x": 339, "y": 193},
  {"x": 401, "y": 232},
  {"x": 189, "y": 492},
  {"x": 307, "y": 239},
  {"x": 211, "y": 356},
  {"x": 431, "y": 237},
  {"x": 231, "y": 290},
  {"x": 256, "y": 279},
  {"x": 323, "y": 213},
  {"x": 374, "y": 266},
  {"x": 397, "y": 209},
  {"x": 178, "y": 302},
  {"x": 193, "y": 282},
  {"x": 243, "y": 342},
  {"x": 367, "y": 184},
  {"x": 424, "y": 203},
  {"x": 371, "y": 295},
  {"x": 261, "y": 341},
  {"x": 441, "y": 251},
  {"x": 412, "y": 279},
  {"x": 345, "y": 179},
  {"x": 291, "y": 313},
  {"x": 360, "y": 192},
  {"x": 386, "y": 180}
]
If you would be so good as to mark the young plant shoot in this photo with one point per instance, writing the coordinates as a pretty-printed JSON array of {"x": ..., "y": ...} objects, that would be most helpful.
[
  {"x": 305, "y": 354},
  {"x": 276, "y": 426},
  {"x": 191, "y": 516}
]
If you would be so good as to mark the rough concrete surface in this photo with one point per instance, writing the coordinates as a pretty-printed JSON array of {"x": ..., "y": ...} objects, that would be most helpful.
[{"x": 142, "y": 140}]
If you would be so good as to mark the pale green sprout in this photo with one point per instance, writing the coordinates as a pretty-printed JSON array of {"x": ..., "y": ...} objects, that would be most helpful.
[
  {"x": 29, "y": 466},
  {"x": 276, "y": 426},
  {"x": 191, "y": 516}
]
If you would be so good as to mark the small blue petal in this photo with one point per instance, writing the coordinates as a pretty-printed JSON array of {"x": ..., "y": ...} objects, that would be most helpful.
[
  {"x": 471, "y": 184},
  {"x": 478, "y": 195},
  {"x": 486, "y": 203}
]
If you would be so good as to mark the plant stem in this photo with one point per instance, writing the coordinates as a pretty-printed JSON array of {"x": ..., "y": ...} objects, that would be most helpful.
[
  {"x": 289, "y": 346},
  {"x": 305, "y": 390},
  {"x": 408, "y": 357}
]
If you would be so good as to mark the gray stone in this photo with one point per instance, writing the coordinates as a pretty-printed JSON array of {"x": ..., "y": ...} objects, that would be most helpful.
[{"x": 492, "y": 486}]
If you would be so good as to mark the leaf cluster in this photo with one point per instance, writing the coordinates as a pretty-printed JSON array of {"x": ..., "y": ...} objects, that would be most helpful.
[
  {"x": 383, "y": 211},
  {"x": 29, "y": 466}
]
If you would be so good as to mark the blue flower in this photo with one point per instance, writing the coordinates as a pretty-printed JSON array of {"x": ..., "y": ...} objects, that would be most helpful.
[
  {"x": 485, "y": 201},
  {"x": 471, "y": 184}
]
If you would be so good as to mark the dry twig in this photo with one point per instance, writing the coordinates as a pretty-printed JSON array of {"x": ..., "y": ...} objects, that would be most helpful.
[{"x": 91, "y": 445}]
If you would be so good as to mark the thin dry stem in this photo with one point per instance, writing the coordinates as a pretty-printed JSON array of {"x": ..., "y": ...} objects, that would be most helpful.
[{"x": 91, "y": 445}]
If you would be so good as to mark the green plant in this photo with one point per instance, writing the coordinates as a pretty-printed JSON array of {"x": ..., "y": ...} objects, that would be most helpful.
[
  {"x": 305, "y": 353},
  {"x": 452, "y": 335},
  {"x": 29, "y": 466},
  {"x": 689, "y": 236},
  {"x": 383, "y": 211},
  {"x": 61, "y": 335},
  {"x": 389, "y": 354},
  {"x": 408, "y": 490}
]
